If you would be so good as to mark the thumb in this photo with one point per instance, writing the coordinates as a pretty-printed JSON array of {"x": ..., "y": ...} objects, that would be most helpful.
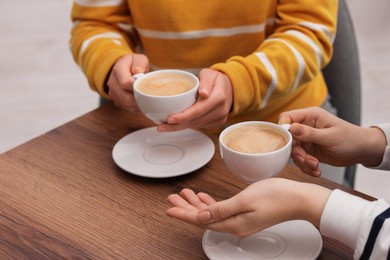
[
  {"x": 284, "y": 118},
  {"x": 207, "y": 79},
  {"x": 219, "y": 211}
]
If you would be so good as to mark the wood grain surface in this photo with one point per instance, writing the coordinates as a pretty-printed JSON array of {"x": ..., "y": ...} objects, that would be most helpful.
[{"x": 62, "y": 196}]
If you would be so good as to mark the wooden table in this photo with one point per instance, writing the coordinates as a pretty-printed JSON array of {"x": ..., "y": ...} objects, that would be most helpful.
[{"x": 62, "y": 196}]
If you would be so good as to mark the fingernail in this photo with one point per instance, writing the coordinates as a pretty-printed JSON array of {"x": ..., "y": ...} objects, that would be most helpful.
[
  {"x": 171, "y": 120},
  {"x": 204, "y": 216},
  {"x": 137, "y": 70},
  {"x": 204, "y": 93},
  {"x": 300, "y": 159},
  {"x": 296, "y": 130},
  {"x": 313, "y": 163},
  {"x": 317, "y": 173}
]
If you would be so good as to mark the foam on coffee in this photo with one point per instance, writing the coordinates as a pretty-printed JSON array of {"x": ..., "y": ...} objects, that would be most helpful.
[
  {"x": 166, "y": 84},
  {"x": 255, "y": 139}
]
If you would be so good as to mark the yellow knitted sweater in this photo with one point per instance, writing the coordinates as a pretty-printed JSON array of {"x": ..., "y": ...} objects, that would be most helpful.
[{"x": 272, "y": 50}]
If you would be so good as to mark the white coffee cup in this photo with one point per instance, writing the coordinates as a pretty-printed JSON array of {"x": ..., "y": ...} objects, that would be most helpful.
[
  {"x": 267, "y": 159},
  {"x": 155, "y": 104}
]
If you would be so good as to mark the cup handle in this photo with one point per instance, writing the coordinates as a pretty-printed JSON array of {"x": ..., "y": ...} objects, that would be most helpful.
[
  {"x": 286, "y": 126},
  {"x": 138, "y": 75}
]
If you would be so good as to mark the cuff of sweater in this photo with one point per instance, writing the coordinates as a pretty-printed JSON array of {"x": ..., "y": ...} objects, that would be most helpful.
[
  {"x": 104, "y": 65},
  {"x": 241, "y": 83},
  {"x": 342, "y": 216}
]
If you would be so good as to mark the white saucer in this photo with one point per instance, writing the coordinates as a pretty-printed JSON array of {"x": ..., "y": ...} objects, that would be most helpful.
[
  {"x": 149, "y": 153},
  {"x": 295, "y": 239}
]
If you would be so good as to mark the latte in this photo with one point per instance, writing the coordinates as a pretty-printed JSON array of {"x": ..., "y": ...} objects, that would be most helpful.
[
  {"x": 255, "y": 139},
  {"x": 166, "y": 84}
]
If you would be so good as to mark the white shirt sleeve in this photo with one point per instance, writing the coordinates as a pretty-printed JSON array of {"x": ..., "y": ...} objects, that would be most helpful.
[
  {"x": 385, "y": 165},
  {"x": 354, "y": 222}
]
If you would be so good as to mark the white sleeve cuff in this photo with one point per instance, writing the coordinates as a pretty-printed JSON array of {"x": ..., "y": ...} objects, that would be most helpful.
[
  {"x": 342, "y": 216},
  {"x": 385, "y": 164}
]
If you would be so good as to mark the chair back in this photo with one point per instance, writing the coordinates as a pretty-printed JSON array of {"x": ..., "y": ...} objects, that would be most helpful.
[{"x": 342, "y": 76}]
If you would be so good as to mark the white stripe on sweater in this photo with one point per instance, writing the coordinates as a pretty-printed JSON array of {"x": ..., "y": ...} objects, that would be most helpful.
[
  {"x": 300, "y": 60},
  {"x": 99, "y": 3},
  {"x": 125, "y": 27},
  {"x": 274, "y": 82},
  {"x": 310, "y": 42},
  {"x": 110, "y": 35},
  {"x": 213, "y": 32},
  {"x": 321, "y": 28}
]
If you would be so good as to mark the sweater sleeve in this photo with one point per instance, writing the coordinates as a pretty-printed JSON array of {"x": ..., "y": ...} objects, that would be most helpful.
[
  {"x": 102, "y": 32},
  {"x": 291, "y": 56},
  {"x": 385, "y": 164},
  {"x": 354, "y": 222}
]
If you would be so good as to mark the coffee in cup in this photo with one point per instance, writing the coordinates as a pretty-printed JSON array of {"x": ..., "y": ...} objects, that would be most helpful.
[
  {"x": 166, "y": 84},
  {"x": 255, "y": 150},
  {"x": 164, "y": 92},
  {"x": 255, "y": 139}
]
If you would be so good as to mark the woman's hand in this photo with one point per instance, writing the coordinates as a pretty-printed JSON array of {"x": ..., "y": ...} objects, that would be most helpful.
[
  {"x": 212, "y": 108},
  {"x": 259, "y": 206},
  {"x": 120, "y": 81},
  {"x": 321, "y": 136}
]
